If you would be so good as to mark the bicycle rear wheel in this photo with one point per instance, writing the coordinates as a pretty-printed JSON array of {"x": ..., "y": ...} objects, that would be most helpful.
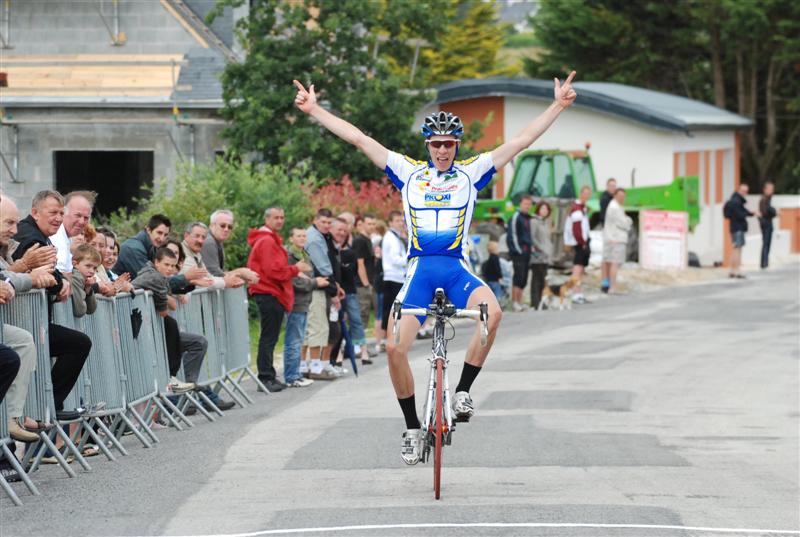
[{"x": 438, "y": 430}]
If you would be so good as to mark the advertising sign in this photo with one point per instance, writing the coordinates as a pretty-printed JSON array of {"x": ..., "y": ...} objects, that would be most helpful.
[{"x": 662, "y": 239}]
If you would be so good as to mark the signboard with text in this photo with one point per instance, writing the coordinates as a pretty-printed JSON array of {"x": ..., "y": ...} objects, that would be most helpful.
[{"x": 663, "y": 239}]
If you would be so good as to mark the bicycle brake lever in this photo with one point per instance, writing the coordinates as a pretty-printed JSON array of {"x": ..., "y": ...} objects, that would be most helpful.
[
  {"x": 396, "y": 311},
  {"x": 484, "y": 308}
]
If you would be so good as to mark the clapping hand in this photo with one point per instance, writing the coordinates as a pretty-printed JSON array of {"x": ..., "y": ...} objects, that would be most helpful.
[
  {"x": 42, "y": 277},
  {"x": 564, "y": 95},
  {"x": 39, "y": 256},
  {"x": 6, "y": 292}
]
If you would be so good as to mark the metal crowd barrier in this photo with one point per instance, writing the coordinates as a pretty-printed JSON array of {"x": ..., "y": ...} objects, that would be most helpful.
[
  {"x": 237, "y": 330},
  {"x": 204, "y": 315},
  {"x": 126, "y": 374},
  {"x": 29, "y": 312}
]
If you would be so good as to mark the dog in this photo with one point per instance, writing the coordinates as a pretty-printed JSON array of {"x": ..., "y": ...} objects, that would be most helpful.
[{"x": 564, "y": 293}]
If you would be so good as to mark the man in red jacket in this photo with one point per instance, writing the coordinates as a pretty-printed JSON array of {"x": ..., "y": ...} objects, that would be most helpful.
[{"x": 273, "y": 292}]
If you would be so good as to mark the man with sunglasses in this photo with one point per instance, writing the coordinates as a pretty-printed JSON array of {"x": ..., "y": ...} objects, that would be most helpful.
[
  {"x": 438, "y": 200},
  {"x": 212, "y": 252}
]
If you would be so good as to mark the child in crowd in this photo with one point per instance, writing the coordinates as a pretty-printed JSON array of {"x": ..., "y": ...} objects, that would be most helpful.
[
  {"x": 154, "y": 277},
  {"x": 85, "y": 261},
  {"x": 491, "y": 272}
]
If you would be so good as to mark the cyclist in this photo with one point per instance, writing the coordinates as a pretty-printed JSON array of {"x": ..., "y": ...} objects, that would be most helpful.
[{"x": 438, "y": 199}]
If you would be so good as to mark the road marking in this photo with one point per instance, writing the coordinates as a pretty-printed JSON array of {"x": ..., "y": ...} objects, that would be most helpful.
[{"x": 565, "y": 525}]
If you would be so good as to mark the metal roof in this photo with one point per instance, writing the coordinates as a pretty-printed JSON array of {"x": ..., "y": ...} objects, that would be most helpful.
[{"x": 653, "y": 108}]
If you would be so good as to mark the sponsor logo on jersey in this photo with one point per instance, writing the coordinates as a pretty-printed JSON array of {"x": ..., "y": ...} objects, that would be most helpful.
[
  {"x": 452, "y": 187},
  {"x": 437, "y": 200}
]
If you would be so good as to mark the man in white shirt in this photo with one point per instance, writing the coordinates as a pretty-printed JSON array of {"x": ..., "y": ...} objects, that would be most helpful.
[
  {"x": 77, "y": 213},
  {"x": 576, "y": 235},
  {"x": 615, "y": 238},
  {"x": 394, "y": 261}
]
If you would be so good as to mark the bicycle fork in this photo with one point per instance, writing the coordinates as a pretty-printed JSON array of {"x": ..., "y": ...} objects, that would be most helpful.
[{"x": 430, "y": 407}]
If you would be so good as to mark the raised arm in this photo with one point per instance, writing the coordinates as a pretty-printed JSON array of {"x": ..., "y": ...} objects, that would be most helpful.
[
  {"x": 564, "y": 96},
  {"x": 306, "y": 101}
]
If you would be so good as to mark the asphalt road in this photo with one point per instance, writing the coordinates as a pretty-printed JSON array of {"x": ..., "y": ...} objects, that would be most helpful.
[{"x": 673, "y": 412}]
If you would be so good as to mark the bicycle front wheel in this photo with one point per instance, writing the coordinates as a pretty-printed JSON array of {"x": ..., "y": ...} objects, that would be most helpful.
[{"x": 438, "y": 430}]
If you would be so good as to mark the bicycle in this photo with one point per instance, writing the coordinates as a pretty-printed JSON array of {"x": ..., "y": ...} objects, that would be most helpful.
[{"x": 438, "y": 423}]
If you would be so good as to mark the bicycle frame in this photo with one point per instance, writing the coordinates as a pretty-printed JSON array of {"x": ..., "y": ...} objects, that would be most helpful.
[
  {"x": 441, "y": 311},
  {"x": 438, "y": 354}
]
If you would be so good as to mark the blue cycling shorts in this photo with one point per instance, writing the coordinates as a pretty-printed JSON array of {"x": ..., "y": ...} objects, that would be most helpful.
[{"x": 425, "y": 274}]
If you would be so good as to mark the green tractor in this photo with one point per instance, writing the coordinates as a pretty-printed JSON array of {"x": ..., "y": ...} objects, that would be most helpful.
[{"x": 558, "y": 176}]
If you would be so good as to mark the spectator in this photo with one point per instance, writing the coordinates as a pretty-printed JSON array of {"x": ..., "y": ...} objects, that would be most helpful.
[
  {"x": 377, "y": 286},
  {"x": 104, "y": 284},
  {"x": 139, "y": 249},
  {"x": 193, "y": 239},
  {"x": 491, "y": 272},
  {"x": 394, "y": 251},
  {"x": 576, "y": 235},
  {"x": 9, "y": 362},
  {"x": 113, "y": 255},
  {"x": 518, "y": 238},
  {"x": 615, "y": 238},
  {"x": 768, "y": 213},
  {"x": 122, "y": 282},
  {"x": 353, "y": 332},
  {"x": 179, "y": 287},
  {"x": 154, "y": 277},
  {"x": 605, "y": 199},
  {"x": 542, "y": 251},
  {"x": 273, "y": 293},
  {"x": 69, "y": 347},
  {"x": 85, "y": 261},
  {"x": 737, "y": 212},
  {"x": 334, "y": 305},
  {"x": 219, "y": 231},
  {"x": 317, "y": 328},
  {"x": 350, "y": 279},
  {"x": 14, "y": 278},
  {"x": 365, "y": 268},
  {"x": 77, "y": 213},
  {"x": 297, "y": 318}
]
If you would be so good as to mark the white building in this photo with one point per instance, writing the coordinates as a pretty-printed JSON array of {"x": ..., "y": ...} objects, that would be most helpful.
[{"x": 640, "y": 137}]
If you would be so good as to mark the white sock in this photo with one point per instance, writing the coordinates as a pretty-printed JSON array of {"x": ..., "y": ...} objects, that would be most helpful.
[{"x": 316, "y": 366}]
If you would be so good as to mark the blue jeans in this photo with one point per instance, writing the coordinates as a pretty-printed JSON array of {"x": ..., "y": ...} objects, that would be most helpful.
[
  {"x": 293, "y": 340},
  {"x": 496, "y": 288},
  {"x": 353, "y": 311}
]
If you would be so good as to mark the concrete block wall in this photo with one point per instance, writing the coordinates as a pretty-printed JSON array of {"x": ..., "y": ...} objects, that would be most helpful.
[
  {"x": 39, "y": 141},
  {"x": 75, "y": 27}
]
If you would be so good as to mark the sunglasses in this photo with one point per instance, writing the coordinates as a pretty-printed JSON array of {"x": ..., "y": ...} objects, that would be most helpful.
[
  {"x": 436, "y": 144},
  {"x": 226, "y": 226}
]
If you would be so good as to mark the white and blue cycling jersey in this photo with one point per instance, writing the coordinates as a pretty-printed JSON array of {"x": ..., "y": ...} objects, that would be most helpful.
[
  {"x": 438, "y": 205},
  {"x": 438, "y": 209}
]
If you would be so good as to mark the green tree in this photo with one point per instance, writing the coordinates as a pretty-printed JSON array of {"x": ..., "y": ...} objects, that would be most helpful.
[
  {"x": 325, "y": 42},
  {"x": 742, "y": 56},
  {"x": 467, "y": 45},
  {"x": 245, "y": 189}
]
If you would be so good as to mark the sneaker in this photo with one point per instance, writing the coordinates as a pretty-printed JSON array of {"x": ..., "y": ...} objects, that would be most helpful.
[
  {"x": 176, "y": 386},
  {"x": 372, "y": 351},
  {"x": 300, "y": 383},
  {"x": 9, "y": 473},
  {"x": 341, "y": 371},
  {"x": 19, "y": 433},
  {"x": 579, "y": 299},
  {"x": 518, "y": 307},
  {"x": 327, "y": 373},
  {"x": 274, "y": 385},
  {"x": 463, "y": 407},
  {"x": 411, "y": 449},
  {"x": 366, "y": 361}
]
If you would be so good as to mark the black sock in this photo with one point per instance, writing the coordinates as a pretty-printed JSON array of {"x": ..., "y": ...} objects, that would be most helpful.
[
  {"x": 409, "y": 407},
  {"x": 468, "y": 375}
]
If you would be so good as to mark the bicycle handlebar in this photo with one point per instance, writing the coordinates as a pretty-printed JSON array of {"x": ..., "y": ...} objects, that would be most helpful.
[{"x": 434, "y": 310}]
